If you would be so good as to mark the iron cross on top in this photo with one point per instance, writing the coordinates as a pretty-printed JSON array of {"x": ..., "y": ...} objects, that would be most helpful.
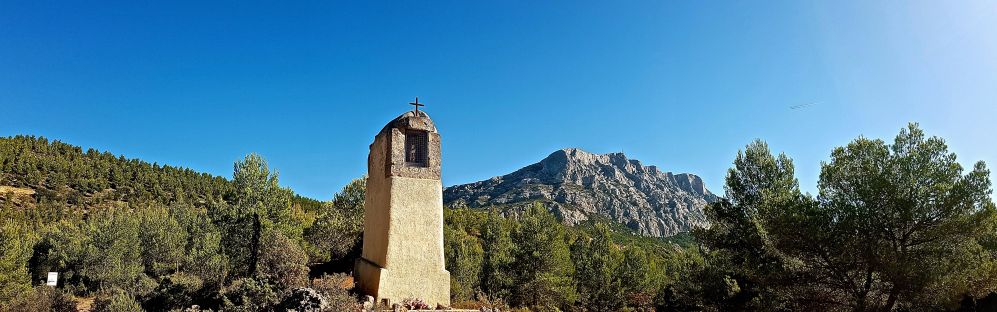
[{"x": 416, "y": 104}]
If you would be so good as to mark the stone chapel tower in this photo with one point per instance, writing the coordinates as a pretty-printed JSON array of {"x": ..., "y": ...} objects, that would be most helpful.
[{"x": 403, "y": 214}]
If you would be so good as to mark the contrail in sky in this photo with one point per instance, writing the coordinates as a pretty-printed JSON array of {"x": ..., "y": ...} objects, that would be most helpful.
[{"x": 800, "y": 106}]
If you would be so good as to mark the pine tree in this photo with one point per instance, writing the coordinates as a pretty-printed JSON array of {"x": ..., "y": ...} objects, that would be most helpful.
[
  {"x": 261, "y": 205},
  {"x": 337, "y": 229},
  {"x": 15, "y": 250},
  {"x": 164, "y": 241},
  {"x": 542, "y": 266},
  {"x": 640, "y": 277},
  {"x": 112, "y": 257},
  {"x": 596, "y": 261},
  {"x": 463, "y": 260},
  {"x": 497, "y": 246}
]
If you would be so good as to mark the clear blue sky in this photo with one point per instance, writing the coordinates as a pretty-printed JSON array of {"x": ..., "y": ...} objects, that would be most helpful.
[{"x": 678, "y": 84}]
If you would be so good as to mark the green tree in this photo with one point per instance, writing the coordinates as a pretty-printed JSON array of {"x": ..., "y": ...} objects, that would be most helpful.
[
  {"x": 740, "y": 224},
  {"x": 60, "y": 249},
  {"x": 259, "y": 192},
  {"x": 15, "y": 251},
  {"x": 203, "y": 248},
  {"x": 112, "y": 256},
  {"x": 260, "y": 205},
  {"x": 164, "y": 241},
  {"x": 497, "y": 256},
  {"x": 695, "y": 284},
  {"x": 542, "y": 265},
  {"x": 897, "y": 225},
  {"x": 640, "y": 276},
  {"x": 339, "y": 225},
  {"x": 463, "y": 260},
  {"x": 596, "y": 260}
]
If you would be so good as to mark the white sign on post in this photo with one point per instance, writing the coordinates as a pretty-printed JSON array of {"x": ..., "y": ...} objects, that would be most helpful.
[{"x": 53, "y": 278}]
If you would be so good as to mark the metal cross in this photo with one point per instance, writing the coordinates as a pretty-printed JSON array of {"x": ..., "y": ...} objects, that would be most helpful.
[{"x": 416, "y": 104}]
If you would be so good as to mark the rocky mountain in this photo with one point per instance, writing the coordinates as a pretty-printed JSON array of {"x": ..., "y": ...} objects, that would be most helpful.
[{"x": 578, "y": 186}]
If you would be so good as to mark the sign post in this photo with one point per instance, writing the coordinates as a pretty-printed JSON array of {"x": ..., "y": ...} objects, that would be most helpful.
[{"x": 53, "y": 279}]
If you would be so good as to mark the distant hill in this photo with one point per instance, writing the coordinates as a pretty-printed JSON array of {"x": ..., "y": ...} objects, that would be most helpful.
[
  {"x": 35, "y": 170},
  {"x": 579, "y": 186}
]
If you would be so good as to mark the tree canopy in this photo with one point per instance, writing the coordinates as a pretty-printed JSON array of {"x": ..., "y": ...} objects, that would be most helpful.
[{"x": 894, "y": 226}]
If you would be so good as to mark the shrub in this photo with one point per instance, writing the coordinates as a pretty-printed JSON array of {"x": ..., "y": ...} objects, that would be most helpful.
[
  {"x": 336, "y": 288},
  {"x": 482, "y": 302},
  {"x": 333, "y": 282},
  {"x": 116, "y": 301},
  {"x": 282, "y": 262},
  {"x": 175, "y": 291},
  {"x": 342, "y": 300},
  {"x": 43, "y": 299},
  {"x": 247, "y": 294}
]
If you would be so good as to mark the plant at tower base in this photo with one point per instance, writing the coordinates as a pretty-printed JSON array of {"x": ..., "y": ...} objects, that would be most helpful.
[{"x": 415, "y": 304}]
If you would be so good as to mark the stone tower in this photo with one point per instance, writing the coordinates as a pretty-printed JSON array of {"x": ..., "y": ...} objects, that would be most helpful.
[{"x": 403, "y": 215}]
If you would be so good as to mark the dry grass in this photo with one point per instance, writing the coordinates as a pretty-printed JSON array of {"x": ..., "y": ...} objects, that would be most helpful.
[
  {"x": 19, "y": 191},
  {"x": 84, "y": 304}
]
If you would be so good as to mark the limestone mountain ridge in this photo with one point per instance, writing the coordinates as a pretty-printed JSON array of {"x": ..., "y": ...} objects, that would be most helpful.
[{"x": 578, "y": 186}]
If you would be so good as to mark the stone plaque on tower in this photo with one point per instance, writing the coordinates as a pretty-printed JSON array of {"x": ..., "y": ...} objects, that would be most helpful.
[{"x": 402, "y": 254}]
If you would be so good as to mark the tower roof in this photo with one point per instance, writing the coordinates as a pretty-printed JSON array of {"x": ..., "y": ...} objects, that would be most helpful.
[{"x": 411, "y": 120}]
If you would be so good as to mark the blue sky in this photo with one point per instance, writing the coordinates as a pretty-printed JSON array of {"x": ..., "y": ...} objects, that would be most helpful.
[{"x": 678, "y": 84}]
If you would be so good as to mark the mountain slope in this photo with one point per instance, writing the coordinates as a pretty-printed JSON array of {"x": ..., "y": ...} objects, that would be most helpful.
[
  {"x": 578, "y": 185},
  {"x": 35, "y": 170}
]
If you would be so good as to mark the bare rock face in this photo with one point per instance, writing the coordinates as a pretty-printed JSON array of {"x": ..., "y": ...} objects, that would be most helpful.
[{"x": 578, "y": 185}]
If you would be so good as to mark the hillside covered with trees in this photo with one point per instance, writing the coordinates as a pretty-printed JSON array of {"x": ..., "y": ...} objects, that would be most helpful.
[
  {"x": 123, "y": 232},
  {"x": 898, "y": 226}
]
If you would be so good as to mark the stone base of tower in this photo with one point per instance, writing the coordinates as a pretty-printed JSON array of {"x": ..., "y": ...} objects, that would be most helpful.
[{"x": 397, "y": 285}]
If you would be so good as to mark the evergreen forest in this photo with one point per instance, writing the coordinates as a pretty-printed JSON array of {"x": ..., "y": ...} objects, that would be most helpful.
[{"x": 896, "y": 225}]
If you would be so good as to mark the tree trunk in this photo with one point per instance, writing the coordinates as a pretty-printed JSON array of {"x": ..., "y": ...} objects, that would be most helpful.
[
  {"x": 892, "y": 300},
  {"x": 255, "y": 248}
]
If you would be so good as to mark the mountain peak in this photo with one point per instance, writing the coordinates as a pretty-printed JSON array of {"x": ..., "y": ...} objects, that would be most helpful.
[
  {"x": 579, "y": 185},
  {"x": 574, "y": 152}
]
